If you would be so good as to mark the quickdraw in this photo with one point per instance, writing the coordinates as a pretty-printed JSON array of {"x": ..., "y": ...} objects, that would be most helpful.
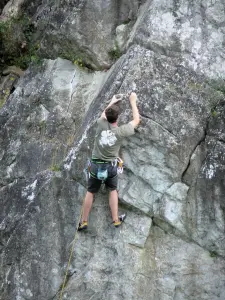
[
  {"x": 87, "y": 170},
  {"x": 119, "y": 165}
]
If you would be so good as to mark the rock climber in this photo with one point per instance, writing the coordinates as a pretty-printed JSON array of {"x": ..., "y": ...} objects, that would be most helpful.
[{"x": 103, "y": 166}]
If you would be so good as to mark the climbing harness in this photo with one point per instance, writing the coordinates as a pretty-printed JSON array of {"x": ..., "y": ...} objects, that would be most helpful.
[
  {"x": 102, "y": 169},
  {"x": 88, "y": 169}
]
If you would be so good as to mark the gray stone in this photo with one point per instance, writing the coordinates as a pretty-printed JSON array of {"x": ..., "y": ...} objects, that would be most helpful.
[
  {"x": 82, "y": 30},
  {"x": 7, "y": 84},
  {"x": 193, "y": 31},
  {"x": 171, "y": 245},
  {"x": 2, "y": 5},
  {"x": 14, "y": 70},
  {"x": 27, "y": 244},
  {"x": 122, "y": 34},
  {"x": 49, "y": 117},
  {"x": 11, "y": 9},
  {"x": 174, "y": 269}
]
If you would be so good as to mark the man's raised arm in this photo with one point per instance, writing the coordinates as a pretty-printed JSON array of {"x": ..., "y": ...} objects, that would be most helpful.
[{"x": 133, "y": 103}]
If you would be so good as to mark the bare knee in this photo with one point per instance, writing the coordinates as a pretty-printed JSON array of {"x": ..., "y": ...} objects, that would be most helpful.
[
  {"x": 89, "y": 196},
  {"x": 113, "y": 194}
]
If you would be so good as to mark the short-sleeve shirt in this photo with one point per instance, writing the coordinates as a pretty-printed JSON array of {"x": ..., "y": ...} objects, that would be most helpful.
[{"x": 108, "y": 139}]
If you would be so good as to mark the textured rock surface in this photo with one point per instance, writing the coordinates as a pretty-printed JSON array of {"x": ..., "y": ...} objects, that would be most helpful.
[
  {"x": 2, "y": 5},
  {"x": 15, "y": 8},
  {"x": 172, "y": 243},
  {"x": 12, "y": 9},
  {"x": 6, "y": 87},
  {"x": 82, "y": 30},
  {"x": 191, "y": 30},
  {"x": 174, "y": 269},
  {"x": 37, "y": 129}
]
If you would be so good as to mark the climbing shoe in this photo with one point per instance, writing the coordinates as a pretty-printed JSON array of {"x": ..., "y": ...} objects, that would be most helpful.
[
  {"x": 120, "y": 221},
  {"x": 82, "y": 225}
]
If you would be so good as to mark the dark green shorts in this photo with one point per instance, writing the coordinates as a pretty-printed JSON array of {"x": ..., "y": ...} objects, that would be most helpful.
[{"x": 94, "y": 184}]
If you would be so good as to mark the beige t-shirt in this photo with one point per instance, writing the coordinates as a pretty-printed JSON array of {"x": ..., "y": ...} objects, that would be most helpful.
[{"x": 108, "y": 139}]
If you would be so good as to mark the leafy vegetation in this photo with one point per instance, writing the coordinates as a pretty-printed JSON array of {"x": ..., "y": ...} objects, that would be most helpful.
[
  {"x": 74, "y": 58},
  {"x": 219, "y": 85},
  {"x": 115, "y": 53},
  {"x": 55, "y": 168},
  {"x": 18, "y": 46},
  {"x": 213, "y": 113},
  {"x": 215, "y": 95},
  {"x": 3, "y": 97},
  {"x": 213, "y": 254},
  {"x": 2, "y": 101},
  {"x": 42, "y": 126},
  {"x": 79, "y": 62},
  {"x": 127, "y": 21}
]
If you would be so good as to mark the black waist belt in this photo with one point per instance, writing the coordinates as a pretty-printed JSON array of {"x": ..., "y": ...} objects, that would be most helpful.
[{"x": 100, "y": 161}]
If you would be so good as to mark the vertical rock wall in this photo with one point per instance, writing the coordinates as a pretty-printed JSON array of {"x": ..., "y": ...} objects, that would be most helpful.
[{"x": 172, "y": 243}]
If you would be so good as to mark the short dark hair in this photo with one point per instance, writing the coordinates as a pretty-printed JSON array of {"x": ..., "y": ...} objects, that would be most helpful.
[{"x": 112, "y": 113}]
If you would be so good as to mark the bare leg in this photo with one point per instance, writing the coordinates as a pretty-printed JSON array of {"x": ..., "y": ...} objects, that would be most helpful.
[
  {"x": 87, "y": 206},
  {"x": 113, "y": 203}
]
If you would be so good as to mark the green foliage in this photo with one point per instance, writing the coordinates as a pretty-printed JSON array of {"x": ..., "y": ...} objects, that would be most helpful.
[
  {"x": 2, "y": 101},
  {"x": 79, "y": 62},
  {"x": 3, "y": 97},
  {"x": 70, "y": 56},
  {"x": 55, "y": 168},
  {"x": 126, "y": 21},
  {"x": 67, "y": 55},
  {"x": 115, "y": 53},
  {"x": 213, "y": 113},
  {"x": 195, "y": 86},
  {"x": 18, "y": 45},
  {"x": 219, "y": 85},
  {"x": 215, "y": 94},
  {"x": 213, "y": 254},
  {"x": 4, "y": 26},
  {"x": 42, "y": 126},
  {"x": 23, "y": 61}
]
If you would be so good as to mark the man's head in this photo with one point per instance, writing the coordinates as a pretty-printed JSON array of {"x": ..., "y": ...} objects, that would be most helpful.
[{"x": 112, "y": 113}]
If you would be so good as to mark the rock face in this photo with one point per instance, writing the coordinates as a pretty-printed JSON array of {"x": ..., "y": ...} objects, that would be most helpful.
[
  {"x": 172, "y": 243},
  {"x": 194, "y": 31},
  {"x": 81, "y": 30},
  {"x": 2, "y": 4}
]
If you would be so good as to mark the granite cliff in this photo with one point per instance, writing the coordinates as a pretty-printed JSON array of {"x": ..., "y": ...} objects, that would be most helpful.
[{"x": 172, "y": 245}]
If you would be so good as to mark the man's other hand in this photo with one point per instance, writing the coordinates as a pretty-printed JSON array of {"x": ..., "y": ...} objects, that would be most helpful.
[
  {"x": 133, "y": 98},
  {"x": 116, "y": 98}
]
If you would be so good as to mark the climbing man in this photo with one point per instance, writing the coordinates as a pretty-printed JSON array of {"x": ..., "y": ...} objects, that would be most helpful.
[{"x": 103, "y": 167}]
